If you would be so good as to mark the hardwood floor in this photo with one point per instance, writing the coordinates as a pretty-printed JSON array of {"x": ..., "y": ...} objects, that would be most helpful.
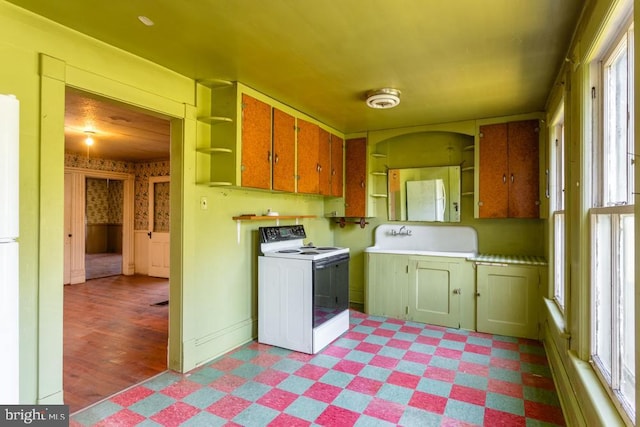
[
  {"x": 115, "y": 335},
  {"x": 102, "y": 265}
]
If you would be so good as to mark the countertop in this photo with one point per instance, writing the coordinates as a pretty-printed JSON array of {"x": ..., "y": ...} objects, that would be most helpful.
[{"x": 509, "y": 259}]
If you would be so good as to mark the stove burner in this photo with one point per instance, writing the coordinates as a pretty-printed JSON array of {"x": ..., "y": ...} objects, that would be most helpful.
[
  {"x": 327, "y": 248},
  {"x": 288, "y": 251}
]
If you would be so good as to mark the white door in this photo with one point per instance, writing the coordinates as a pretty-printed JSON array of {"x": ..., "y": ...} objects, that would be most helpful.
[
  {"x": 67, "y": 228},
  {"x": 159, "y": 226}
]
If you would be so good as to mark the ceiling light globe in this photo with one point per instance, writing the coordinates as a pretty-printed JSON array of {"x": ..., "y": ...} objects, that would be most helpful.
[{"x": 383, "y": 98}]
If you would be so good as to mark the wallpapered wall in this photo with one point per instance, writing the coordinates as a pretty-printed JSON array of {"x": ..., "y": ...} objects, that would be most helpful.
[
  {"x": 142, "y": 172},
  {"x": 104, "y": 201}
]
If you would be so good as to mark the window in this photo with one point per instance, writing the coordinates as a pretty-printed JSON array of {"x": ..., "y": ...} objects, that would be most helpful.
[
  {"x": 612, "y": 228},
  {"x": 557, "y": 207}
]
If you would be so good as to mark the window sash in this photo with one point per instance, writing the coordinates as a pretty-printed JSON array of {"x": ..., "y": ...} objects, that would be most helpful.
[
  {"x": 559, "y": 257},
  {"x": 614, "y": 183},
  {"x": 613, "y": 287}
]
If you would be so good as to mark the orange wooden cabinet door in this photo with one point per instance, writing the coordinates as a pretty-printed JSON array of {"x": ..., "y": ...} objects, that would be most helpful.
[
  {"x": 524, "y": 190},
  {"x": 284, "y": 146},
  {"x": 308, "y": 146},
  {"x": 355, "y": 177},
  {"x": 493, "y": 190},
  {"x": 324, "y": 162},
  {"x": 337, "y": 165},
  {"x": 256, "y": 143}
]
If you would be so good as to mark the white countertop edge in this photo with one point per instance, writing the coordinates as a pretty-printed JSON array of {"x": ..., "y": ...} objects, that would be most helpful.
[{"x": 375, "y": 250}]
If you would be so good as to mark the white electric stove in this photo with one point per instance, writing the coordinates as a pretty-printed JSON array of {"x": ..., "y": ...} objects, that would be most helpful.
[{"x": 303, "y": 290}]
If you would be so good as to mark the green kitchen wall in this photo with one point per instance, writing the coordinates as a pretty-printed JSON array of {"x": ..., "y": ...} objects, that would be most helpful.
[{"x": 213, "y": 258}]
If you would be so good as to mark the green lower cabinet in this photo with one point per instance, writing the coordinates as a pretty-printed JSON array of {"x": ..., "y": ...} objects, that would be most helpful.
[
  {"x": 441, "y": 292},
  {"x": 507, "y": 300},
  {"x": 427, "y": 289},
  {"x": 386, "y": 285},
  {"x": 433, "y": 296}
]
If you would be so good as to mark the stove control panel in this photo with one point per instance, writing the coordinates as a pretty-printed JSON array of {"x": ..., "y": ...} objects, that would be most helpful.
[{"x": 281, "y": 233}]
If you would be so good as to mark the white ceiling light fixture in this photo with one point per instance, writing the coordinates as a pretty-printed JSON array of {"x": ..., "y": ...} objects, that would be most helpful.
[
  {"x": 383, "y": 98},
  {"x": 146, "y": 21},
  {"x": 88, "y": 140}
]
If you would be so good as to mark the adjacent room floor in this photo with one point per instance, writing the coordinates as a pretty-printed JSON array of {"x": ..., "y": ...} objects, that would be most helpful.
[
  {"x": 115, "y": 336},
  {"x": 382, "y": 372}
]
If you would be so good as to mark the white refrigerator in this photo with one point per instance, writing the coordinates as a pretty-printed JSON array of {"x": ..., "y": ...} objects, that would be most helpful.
[{"x": 9, "y": 188}]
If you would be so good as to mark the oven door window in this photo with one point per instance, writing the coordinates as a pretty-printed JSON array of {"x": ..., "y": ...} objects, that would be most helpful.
[{"x": 330, "y": 290}]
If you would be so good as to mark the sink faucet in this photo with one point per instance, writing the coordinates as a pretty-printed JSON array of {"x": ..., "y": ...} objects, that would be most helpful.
[{"x": 403, "y": 231}]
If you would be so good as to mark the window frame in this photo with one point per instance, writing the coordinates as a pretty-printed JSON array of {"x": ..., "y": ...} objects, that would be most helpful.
[
  {"x": 557, "y": 202},
  {"x": 600, "y": 205}
]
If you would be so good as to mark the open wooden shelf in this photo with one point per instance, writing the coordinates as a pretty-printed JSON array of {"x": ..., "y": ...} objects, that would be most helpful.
[{"x": 269, "y": 217}]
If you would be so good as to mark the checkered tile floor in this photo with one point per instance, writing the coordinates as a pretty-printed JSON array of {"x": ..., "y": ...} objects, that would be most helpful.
[{"x": 382, "y": 372}]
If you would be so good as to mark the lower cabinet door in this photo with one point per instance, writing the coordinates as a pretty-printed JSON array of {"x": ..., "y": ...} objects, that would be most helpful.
[
  {"x": 386, "y": 285},
  {"x": 433, "y": 293},
  {"x": 507, "y": 300}
]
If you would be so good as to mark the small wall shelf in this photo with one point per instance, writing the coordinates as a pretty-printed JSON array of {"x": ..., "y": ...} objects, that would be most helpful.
[
  {"x": 216, "y": 183},
  {"x": 215, "y": 83},
  {"x": 378, "y": 195},
  {"x": 250, "y": 217},
  {"x": 215, "y": 119},
  {"x": 214, "y": 150},
  {"x": 269, "y": 217},
  {"x": 379, "y": 155}
]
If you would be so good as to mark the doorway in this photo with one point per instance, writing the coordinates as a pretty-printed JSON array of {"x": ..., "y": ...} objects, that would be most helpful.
[
  {"x": 103, "y": 241},
  {"x": 115, "y": 324}
]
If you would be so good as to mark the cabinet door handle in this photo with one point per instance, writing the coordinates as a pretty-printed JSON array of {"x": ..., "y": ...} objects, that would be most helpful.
[
  {"x": 318, "y": 167},
  {"x": 512, "y": 178},
  {"x": 275, "y": 158},
  {"x": 269, "y": 156},
  {"x": 504, "y": 178},
  {"x": 477, "y": 294},
  {"x": 333, "y": 171},
  {"x": 362, "y": 184}
]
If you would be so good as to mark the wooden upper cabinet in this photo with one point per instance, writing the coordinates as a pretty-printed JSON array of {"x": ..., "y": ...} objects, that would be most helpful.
[
  {"x": 284, "y": 146},
  {"x": 356, "y": 177},
  {"x": 524, "y": 176},
  {"x": 256, "y": 143},
  {"x": 337, "y": 165},
  {"x": 308, "y": 149},
  {"x": 493, "y": 190},
  {"x": 324, "y": 162},
  {"x": 508, "y": 170}
]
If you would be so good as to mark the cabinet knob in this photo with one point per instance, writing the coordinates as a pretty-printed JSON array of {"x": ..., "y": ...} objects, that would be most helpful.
[
  {"x": 362, "y": 184},
  {"x": 275, "y": 158},
  {"x": 477, "y": 294},
  {"x": 512, "y": 178},
  {"x": 504, "y": 178}
]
